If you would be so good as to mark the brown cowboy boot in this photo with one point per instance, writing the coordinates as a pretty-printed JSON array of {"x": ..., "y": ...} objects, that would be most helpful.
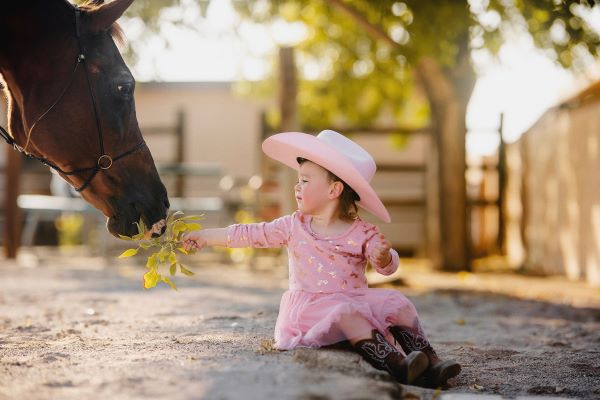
[
  {"x": 439, "y": 371},
  {"x": 382, "y": 355}
]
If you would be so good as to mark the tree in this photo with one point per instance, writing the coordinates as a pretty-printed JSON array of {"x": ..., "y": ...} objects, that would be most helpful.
[{"x": 412, "y": 59}]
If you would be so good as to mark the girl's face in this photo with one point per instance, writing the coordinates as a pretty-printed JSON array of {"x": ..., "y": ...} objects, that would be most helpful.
[{"x": 313, "y": 188}]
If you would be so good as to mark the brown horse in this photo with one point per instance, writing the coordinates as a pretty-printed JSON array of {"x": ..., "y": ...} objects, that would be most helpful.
[{"x": 71, "y": 105}]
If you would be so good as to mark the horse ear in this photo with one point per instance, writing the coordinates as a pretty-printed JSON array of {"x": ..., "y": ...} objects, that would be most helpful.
[{"x": 102, "y": 17}]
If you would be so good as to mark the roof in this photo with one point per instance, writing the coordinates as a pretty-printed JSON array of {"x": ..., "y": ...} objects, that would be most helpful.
[{"x": 590, "y": 94}]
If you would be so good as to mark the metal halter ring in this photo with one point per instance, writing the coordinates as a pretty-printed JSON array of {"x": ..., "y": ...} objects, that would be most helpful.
[{"x": 103, "y": 164}]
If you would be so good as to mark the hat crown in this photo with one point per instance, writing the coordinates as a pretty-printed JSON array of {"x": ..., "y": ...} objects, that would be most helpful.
[{"x": 359, "y": 157}]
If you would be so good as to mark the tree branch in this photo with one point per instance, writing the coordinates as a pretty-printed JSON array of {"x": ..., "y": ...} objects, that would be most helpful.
[{"x": 372, "y": 29}]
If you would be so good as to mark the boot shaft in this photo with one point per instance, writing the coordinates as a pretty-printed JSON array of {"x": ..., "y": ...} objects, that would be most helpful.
[
  {"x": 414, "y": 340},
  {"x": 378, "y": 352}
]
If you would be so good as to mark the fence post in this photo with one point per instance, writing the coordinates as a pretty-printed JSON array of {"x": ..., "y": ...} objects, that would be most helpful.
[
  {"x": 12, "y": 226},
  {"x": 501, "y": 189},
  {"x": 179, "y": 156}
]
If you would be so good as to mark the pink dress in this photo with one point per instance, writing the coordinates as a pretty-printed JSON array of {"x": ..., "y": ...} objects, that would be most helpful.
[{"x": 327, "y": 280}]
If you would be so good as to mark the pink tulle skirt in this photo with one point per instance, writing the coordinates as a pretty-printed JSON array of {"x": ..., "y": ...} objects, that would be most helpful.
[{"x": 309, "y": 319}]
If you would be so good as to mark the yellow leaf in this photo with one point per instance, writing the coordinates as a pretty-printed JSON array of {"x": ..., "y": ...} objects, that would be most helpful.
[
  {"x": 163, "y": 254},
  {"x": 141, "y": 226},
  {"x": 172, "y": 257},
  {"x": 139, "y": 236},
  {"x": 125, "y": 237},
  {"x": 151, "y": 263},
  {"x": 185, "y": 271},
  {"x": 168, "y": 282},
  {"x": 181, "y": 249},
  {"x": 173, "y": 269},
  {"x": 178, "y": 226},
  {"x": 151, "y": 278},
  {"x": 128, "y": 253},
  {"x": 191, "y": 217},
  {"x": 192, "y": 227}
]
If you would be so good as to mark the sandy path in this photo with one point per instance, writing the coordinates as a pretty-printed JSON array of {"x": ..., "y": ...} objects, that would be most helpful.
[{"x": 75, "y": 332}]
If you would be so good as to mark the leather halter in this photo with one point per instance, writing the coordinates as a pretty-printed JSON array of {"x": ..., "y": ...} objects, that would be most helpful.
[{"x": 104, "y": 161}]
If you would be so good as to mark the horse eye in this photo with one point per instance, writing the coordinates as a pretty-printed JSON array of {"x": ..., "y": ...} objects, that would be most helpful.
[{"x": 125, "y": 89}]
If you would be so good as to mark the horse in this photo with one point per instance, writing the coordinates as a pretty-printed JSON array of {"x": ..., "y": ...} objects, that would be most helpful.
[{"x": 71, "y": 106}]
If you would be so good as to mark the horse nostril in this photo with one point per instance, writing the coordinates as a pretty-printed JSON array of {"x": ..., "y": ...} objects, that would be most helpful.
[{"x": 162, "y": 230}]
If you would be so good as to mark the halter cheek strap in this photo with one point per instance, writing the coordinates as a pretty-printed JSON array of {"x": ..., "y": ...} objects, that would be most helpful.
[{"x": 104, "y": 161}]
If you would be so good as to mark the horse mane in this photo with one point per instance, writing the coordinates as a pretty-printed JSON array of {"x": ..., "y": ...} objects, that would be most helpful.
[{"x": 115, "y": 30}]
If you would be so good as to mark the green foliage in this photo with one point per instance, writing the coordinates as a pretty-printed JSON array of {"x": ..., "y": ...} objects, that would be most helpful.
[
  {"x": 167, "y": 246},
  {"x": 559, "y": 27},
  {"x": 356, "y": 77}
]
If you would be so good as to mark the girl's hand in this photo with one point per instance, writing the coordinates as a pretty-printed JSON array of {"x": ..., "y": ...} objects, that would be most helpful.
[
  {"x": 381, "y": 253},
  {"x": 194, "y": 241}
]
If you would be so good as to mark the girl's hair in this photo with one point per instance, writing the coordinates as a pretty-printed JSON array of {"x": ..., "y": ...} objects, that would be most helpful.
[{"x": 348, "y": 198}]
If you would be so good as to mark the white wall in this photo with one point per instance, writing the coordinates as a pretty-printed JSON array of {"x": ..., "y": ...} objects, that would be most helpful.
[
  {"x": 220, "y": 128},
  {"x": 561, "y": 192}
]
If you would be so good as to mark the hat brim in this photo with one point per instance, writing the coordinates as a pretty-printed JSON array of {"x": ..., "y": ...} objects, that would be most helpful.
[{"x": 288, "y": 146}]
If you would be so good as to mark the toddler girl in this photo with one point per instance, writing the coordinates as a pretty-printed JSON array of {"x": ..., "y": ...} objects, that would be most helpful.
[{"x": 328, "y": 245}]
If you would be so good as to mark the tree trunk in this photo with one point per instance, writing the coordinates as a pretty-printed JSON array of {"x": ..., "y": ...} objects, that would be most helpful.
[
  {"x": 288, "y": 92},
  {"x": 448, "y": 92}
]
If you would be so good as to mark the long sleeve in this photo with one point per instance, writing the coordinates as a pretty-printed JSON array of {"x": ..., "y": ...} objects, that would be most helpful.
[
  {"x": 370, "y": 245},
  {"x": 263, "y": 234}
]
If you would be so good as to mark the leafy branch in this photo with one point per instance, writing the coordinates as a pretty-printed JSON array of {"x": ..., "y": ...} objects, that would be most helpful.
[{"x": 167, "y": 244}]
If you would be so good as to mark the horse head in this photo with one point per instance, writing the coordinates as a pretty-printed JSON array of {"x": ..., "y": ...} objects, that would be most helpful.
[{"x": 71, "y": 103}]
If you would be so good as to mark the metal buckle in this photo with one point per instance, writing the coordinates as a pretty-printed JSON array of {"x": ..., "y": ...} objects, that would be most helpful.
[{"x": 103, "y": 164}]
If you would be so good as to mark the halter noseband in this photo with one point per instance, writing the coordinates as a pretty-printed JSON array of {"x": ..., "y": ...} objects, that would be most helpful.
[{"x": 105, "y": 161}]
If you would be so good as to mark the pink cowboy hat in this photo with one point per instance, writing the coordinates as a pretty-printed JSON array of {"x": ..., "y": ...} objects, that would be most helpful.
[{"x": 336, "y": 153}]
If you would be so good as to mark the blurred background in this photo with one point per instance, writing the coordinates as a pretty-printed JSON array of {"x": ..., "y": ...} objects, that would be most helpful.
[{"x": 483, "y": 118}]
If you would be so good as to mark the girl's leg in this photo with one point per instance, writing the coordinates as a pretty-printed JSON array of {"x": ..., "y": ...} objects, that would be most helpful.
[
  {"x": 378, "y": 352},
  {"x": 355, "y": 327}
]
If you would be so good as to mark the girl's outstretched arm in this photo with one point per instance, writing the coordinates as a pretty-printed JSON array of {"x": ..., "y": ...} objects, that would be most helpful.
[
  {"x": 262, "y": 234},
  {"x": 197, "y": 240}
]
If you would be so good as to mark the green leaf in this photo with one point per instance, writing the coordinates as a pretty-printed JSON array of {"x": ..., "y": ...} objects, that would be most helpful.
[
  {"x": 173, "y": 269},
  {"x": 185, "y": 271},
  {"x": 151, "y": 278},
  {"x": 125, "y": 237},
  {"x": 129, "y": 253},
  {"x": 168, "y": 282},
  {"x": 172, "y": 257}
]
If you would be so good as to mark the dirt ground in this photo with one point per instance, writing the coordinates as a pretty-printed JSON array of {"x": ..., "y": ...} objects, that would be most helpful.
[{"x": 75, "y": 329}]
